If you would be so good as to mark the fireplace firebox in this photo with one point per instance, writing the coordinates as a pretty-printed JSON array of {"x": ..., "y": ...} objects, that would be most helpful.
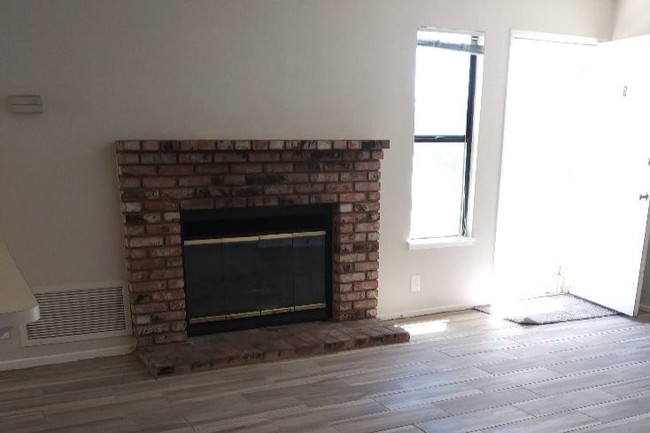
[{"x": 248, "y": 268}]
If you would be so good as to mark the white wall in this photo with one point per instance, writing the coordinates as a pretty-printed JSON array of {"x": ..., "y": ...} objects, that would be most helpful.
[
  {"x": 119, "y": 69},
  {"x": 632, "y": 18}
]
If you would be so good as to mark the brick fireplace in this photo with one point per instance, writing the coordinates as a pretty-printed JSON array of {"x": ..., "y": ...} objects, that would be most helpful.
[{"x": 160, "y": 179}]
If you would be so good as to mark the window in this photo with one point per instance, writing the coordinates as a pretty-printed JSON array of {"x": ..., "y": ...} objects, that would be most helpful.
[{"x": 448, "y": 67}]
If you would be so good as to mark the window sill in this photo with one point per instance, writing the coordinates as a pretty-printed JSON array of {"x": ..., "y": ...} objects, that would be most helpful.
[{"x": 429, "y": 243}]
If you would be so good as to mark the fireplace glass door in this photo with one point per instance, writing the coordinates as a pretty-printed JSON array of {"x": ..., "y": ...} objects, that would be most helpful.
[{"x": 256, "y": 271}]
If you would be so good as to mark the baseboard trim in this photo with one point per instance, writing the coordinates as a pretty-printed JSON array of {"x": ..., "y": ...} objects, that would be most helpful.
[
  {"x": 424, "y": 312},
  {"x": 37, "y": 361}
]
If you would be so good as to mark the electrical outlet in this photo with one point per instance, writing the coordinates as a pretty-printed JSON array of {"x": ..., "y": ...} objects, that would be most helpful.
[{"x": 415, "y": 283}]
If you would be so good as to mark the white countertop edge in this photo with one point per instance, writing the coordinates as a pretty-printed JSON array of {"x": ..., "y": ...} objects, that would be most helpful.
[
  {"x": 15, "y": 318},
  {"x": 17, "y": 303}
]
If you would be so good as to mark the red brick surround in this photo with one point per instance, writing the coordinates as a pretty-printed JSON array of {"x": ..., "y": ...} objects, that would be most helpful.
[{"x": 158, "y": 179}]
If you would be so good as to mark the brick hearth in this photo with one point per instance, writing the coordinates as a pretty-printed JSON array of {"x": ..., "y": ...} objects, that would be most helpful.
[
  {"x": 158, "y": 179},
  {"x": 269, "y": 344}
]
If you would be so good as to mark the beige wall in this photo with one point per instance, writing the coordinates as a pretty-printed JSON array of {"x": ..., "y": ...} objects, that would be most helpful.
[
  {"x": 112, "y": 70},
  {"x": 632, "y": 18}
]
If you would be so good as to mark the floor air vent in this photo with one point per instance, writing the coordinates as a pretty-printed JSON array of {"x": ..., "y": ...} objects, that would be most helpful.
[{"x": 78, "y": 314}]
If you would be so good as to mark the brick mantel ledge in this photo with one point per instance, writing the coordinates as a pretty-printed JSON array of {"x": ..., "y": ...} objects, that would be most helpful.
[{"x": 160, "y": 178}]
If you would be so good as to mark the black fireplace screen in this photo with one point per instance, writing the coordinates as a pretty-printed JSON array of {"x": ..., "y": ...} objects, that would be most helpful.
[{"x": 256, "y": 267}]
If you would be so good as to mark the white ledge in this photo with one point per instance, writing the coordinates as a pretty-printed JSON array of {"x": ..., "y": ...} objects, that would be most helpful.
[
  {"x": 17, "y": 304},
  {"x": 447, "y": 242}
]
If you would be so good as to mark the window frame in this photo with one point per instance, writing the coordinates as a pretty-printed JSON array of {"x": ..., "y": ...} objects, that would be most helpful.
[{"x": 474, "y": 49}]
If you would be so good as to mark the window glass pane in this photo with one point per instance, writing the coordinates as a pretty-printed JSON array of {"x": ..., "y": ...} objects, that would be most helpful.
[
  {"x": 437, "y": 189},
  {"x": 441, "y": 86}
]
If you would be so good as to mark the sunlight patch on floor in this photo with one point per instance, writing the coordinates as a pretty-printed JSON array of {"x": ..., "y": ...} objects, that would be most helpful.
[{"x": 423, "y": 328}]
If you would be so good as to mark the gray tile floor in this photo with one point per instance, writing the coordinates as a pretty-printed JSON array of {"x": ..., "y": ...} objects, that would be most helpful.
[{"x": 462, "y": 372}]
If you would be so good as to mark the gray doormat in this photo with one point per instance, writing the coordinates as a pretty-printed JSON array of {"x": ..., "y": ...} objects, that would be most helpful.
[{"x": 548, "y": 309}]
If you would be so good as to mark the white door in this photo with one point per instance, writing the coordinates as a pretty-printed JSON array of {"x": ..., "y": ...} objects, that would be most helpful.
[{"x": 611, "y": 180}]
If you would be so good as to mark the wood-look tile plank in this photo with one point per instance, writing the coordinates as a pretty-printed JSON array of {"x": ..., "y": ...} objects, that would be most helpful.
[
  {"x": 612, "y": 360},
  {"x": 383, "y": 357},
  {"x": 215, "y": 413},
  {"x": 405, "y": 429},
  {"x": 450, "y": 341},
  {"x": 11, "y": 423},
  {"x": 420, "y": 376},
  {"x": 19, "y": 394},
  {"x": 106, "y": 412},
  {"x": 325, "y": 415},
  {"x": 572, "y": 350},
  {"x": 472, "y": 421},
  {"x": 521, "y": 364},
  {"x": 630, "y": 372},
  {"x": 514, "y": 380},
  {"x": 565, "y": 384},
  {"x": 486, "y": 400},
  {"x": 636, "y": 424},
  {"x": 560, "y": 423},
  {"x": 474, "y": 360},
  {"x": 619, "y": 409},
  {"x": 425, "y": 395},
  {"x": 446, "y": 377},
  {"x": 483, "y": 346},
  {"x": 388, "y": 373},
  {"x": 565, "y": 402},
  {"x": 632, "y": 387},
  {"x": 329, "y": 391},
  {"x": 114, "y": 425},
  {"x": 555, "y": 339},
  {"x": 389, "y": 419}
]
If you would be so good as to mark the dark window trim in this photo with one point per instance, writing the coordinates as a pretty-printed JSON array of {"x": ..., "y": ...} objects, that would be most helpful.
[
  {"x": 466, "y": 139},
  {"x": 473, "y": 48},
  {"x": 439, "y": 138},
  {"x": 469, "y": 134}
]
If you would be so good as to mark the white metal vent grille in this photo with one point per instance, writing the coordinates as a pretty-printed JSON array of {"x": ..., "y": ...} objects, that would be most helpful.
[{"x": 79, "y": 314}]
